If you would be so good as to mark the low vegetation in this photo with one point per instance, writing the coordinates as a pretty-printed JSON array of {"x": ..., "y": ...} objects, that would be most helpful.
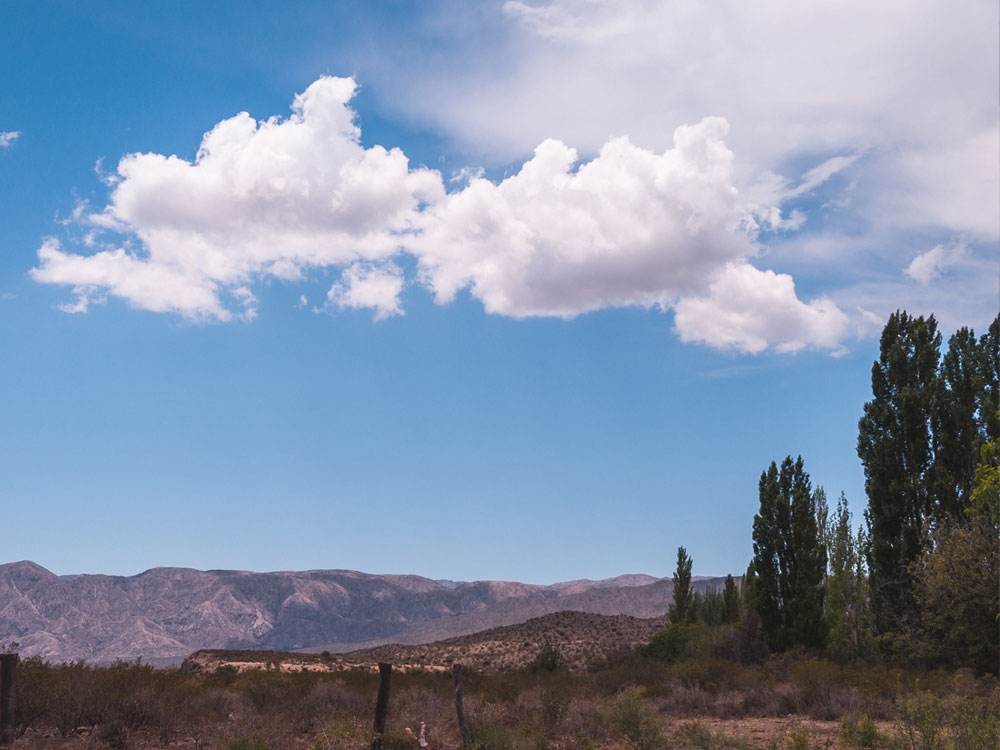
[{"x": 704, "y": 695}]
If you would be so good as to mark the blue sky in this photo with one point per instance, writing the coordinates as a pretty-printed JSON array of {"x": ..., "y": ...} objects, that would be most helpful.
[{"x": 525, "y": 291}]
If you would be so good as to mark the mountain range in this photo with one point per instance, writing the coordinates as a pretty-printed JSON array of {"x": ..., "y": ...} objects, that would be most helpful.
[{"x": 164, "y": 614}]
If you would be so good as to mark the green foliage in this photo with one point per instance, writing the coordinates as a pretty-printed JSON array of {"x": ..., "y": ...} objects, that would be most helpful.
[
  {"x": 682, "y": 609},
  {"x": 847, "y": 617},
  {"x": 798, "y": 739},
  {"x": 921, "y": 722},
  {"x": 670, "y": 643},
  {"x": 711, "y": 607},
  {"x": 496, "y": 737},
  {"x": 730, "y": 601},
  {"x": 957, "y": 431},
  {"x": 862, "y": 733},
  {"x": 957, "y": 596},
  {"x": 789, "y": 563},
  {"x": 631, "y": 720},
  {"x": 975, "y": 724},
  {"x": 919, "y": 440},
  {"x": 894, "y": 445},
  {"x": 548, "y": 659},
  {"x": 986, "y": 493}
]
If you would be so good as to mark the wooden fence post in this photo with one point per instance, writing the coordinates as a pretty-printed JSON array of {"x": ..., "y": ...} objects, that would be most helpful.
[
  {"x": 7, "y": 664},
  {"x": 463, "y": 727},
  {"x": 382, "y": 703}
]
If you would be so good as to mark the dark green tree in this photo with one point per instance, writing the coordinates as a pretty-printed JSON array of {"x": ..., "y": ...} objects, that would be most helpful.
[
  {"x": 730, "y": 601},
  {"x": 989, "y": 393},
  {"x": 956, "y": 584},
  {"x": 711, "y": 607},
  {"x": 748, "y": 591},
  {"x": 789, "y": 560},
  {"x": 681, "y": 610},
  {"x": 894, "y": 445},
  {"x": 847, "y": 616},
  {"x": 958, "y": 432}
]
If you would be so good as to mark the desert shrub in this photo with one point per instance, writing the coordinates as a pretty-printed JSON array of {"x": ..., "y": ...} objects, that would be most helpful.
[
  {"x": 975, "y": 723},
  {"x": 261, "y": 688},
  {"x": 822, "y": 693},
  {"x": 630, "y": 718},
  {"x": 554, "y": 704},
  {"x": 669, "y": 644},
  {"x": 342, "y": 732},
  {"x": 711, "y": 674},
  {"x": 113, "y": 733},
  {"x": 698, "y": 735},
  {"x": 686, "y": 701},
  {"x": 248, "y": 743},
  {"x": 921, "y": 721},
  {"x": 862, "y": 733},
  {"x": 548, "y": 659},
  {"x": 588, "y": 719},
  {"x": 496, "y": 737},
  {"x": 32, "y": 687},
  {"x": 798, "y": 739}
]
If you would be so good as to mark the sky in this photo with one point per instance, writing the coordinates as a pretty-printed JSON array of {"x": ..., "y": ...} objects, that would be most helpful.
[{"x": 501, "y": 290}]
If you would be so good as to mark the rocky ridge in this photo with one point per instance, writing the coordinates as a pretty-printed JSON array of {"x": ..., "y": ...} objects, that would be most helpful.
[{"x": 164, "y": 614}]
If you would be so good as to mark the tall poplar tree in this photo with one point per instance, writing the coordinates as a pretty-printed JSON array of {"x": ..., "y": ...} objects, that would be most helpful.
[
  {"x": 730, "y": 601},
  {"x": 989, "y": 393},
  {"x": 846, "y": 587},
  {"x": 894, "y": 445},
  {"x": 958, "y": 433},
  {"x": 789, "y": 560},
  {"x": 682, "y": 610}
]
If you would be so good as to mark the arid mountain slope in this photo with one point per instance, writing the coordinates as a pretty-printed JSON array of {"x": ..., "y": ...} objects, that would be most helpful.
[
  {"x": 580, "y": 638},
  {"x": 164, "y": 614}
]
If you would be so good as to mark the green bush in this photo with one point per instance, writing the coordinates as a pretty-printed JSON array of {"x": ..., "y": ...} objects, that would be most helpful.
[
  {"x": 921, "y": 721},
  {"x": 496, "y": 737},
  {"x": 631, "y": 719},
  {"x": 862, "y": 733},
  {"x": 669, "y": 644},
  {"x": 548, "y": 659},
  {"x": 975, "y": 724},
  {"x": 798, "y": 739}
]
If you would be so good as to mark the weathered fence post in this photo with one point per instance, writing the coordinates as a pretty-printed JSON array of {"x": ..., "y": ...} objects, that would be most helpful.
[
  {"x": 382, "y": 703},
  {"x": 7, "y": 664},
  {"x": 463, "y": 727}
]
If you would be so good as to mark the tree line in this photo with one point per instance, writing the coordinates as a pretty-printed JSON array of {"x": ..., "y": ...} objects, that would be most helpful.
[{"x": 919, "y": 578}]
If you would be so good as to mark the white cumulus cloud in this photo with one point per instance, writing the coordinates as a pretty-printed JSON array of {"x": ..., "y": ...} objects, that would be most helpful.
[
  {"x": 749, "y": 310},
  {"x": 278, "y": 197},
  {"x": 630, "y": 227},
  {"x": 8, "y": 137},
  {"x": 269, "y": 198},
  {"x": 366, "y": 286}
]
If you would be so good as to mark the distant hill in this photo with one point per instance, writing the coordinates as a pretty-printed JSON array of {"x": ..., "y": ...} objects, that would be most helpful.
[
  {"x": 164, "y": 614},
  {"x": 581, "y": 638}
]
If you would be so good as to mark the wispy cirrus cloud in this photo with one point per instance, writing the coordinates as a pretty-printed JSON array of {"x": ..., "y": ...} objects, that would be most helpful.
[{"x": 860, "y": 121}]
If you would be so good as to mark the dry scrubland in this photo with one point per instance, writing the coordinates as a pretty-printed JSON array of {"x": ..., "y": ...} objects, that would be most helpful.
[{"x": 721, "y": 693}]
